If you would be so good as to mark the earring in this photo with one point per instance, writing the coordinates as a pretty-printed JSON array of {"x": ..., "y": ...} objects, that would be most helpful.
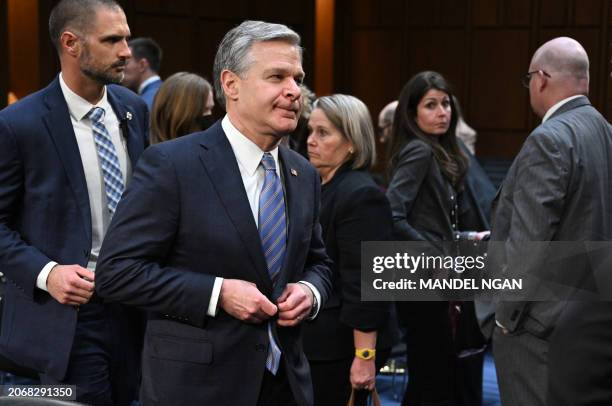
[{"x": 351, "y": 151}]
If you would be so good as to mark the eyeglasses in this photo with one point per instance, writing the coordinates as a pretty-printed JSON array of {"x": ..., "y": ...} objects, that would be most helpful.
[{"x": 527, "y": 78}]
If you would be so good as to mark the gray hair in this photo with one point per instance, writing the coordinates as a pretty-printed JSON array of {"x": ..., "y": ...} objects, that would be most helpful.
[
  {"x": 352, "y": 118},
  {"x": 233, "y": 52}
]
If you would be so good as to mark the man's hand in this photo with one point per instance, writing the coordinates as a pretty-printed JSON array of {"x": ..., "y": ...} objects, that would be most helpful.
[
  {"x": 242, "y": 300},
  {"x": 294, "y": 304},
  {"x": 70, "y": 284},
  {"x": 363, "y": 374}
]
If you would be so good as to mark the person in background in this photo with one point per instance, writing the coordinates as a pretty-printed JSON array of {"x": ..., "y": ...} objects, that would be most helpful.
[
  {"x": 385, "y": 122},
  {"x": 183, "y": 106},
  {"x": 350, "y": 340},
  {"x": 66, "y": 155},
  {"x": 298, "y": 138},
  {"x": 428, "y": 172},
  {"x": 142, "y": 70},
  {"x": 464, "y": 132}
]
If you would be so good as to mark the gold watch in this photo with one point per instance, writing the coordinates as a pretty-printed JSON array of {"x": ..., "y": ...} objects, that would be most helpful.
[{"x": 365, "y": 353}]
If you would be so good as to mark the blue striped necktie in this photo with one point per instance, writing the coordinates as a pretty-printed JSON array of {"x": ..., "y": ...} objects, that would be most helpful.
[
  {"x": 273, "y": 234},
  {"x": 109, "y": 161}
]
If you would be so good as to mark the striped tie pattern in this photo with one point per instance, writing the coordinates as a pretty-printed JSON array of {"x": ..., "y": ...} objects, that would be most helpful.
[
  {"x": 111, "y": 171},
  {"x": 273, "y": 234}
]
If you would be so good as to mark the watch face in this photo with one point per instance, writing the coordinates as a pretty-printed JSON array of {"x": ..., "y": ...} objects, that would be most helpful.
[{"x": 366, "y": 354}]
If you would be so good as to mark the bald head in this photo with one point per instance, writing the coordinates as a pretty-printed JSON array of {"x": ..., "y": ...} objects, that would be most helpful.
[
  {"x": 563, "y": 67},
  {"x": 564, "y": 56},
  {"x": 385, "y": 121}
]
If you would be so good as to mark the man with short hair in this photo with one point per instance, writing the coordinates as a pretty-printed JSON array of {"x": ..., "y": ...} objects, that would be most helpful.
[
  {"x": 385, "y": 122},
  {"x": 218, "y": 237},
  {"x": 142, "y": 69},
  {"x": 66, "y": 154},
  {"x": 557, "y": 189}
]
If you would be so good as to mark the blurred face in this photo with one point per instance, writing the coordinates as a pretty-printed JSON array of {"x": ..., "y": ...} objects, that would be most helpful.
[
  {"x": 105, "y": 51},
  {"x": 536, "y": 98},
  {"x": 328, "y": 149},
  {"x": 384, "y": 129},
  {"x": 265, "y": 101},
  {"x": 132, "y": 74},
  {"x": 209, "y": 105},
  {"x": 434, "y": 113}
]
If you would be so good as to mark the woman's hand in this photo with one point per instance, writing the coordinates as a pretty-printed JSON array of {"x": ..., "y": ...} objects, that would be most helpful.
[{"x": 363, "y": 374}]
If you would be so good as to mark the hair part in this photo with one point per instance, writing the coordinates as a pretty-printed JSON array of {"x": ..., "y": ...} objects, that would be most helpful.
[
  {"x": 149, "y": 49},
  {"x": 453, "y": 162},
  {"x": 75, "y": 16},
  {"x": 233, "y": 53},
  {"x": 352, "y": 118},
  {"x": 178, "y": 105}
]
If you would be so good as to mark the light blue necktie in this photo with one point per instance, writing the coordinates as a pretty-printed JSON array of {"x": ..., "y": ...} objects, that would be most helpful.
[
  {"x": 273, "y": 234},
  {"x": 111, "y": 171}
]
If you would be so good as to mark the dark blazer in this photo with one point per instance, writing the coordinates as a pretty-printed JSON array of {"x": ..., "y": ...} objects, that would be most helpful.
[
  {"x": 557, "y": 189},
  {"x": 45, "y": 216},
  {"x": 184, "y": 220},
  {"x": 149, "y": 92},
  {"x": 353, "y": 209}
]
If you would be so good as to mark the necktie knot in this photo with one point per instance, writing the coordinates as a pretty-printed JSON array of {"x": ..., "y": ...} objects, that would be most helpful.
[
  {"x": 268, "y": 162},
  {"x": 96, "y": 114}
]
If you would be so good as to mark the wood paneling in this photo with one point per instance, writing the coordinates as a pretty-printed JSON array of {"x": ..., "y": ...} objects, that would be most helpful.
[
  {"x": 587, "y": 12},
  {"x": 554, "y": 12},
  {"x": 517, "y": 13},
  {"x": 23, "y": 47},
  {"x": 485, "y": 13},
  {"x": 496, "y": 95}
]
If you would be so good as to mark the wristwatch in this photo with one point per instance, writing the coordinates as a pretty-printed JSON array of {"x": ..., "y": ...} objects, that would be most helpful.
[{"x": 365, "y": 353}]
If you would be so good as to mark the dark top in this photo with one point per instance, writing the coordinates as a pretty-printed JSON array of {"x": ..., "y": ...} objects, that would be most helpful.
[{"x": 353, "y": 209}]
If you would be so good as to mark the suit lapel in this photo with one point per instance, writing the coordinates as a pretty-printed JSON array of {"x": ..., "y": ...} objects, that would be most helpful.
[
  {"x": 221, "y": 166},
  {"x": 59, "y": 125},
  {"x": 292, "y": 202},
  {"x": 128, "y": 123},
  {"x": 570, "y": 105}
]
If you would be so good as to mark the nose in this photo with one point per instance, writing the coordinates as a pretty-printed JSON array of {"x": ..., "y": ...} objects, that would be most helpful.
[
  {"x": 293, "y": 90},
  {"x": 125, "y": 51},
  {"x": 310, "y": 141}
]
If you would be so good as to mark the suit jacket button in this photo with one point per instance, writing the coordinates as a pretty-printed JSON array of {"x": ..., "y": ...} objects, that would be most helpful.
[{"x": 260, "y": 347}]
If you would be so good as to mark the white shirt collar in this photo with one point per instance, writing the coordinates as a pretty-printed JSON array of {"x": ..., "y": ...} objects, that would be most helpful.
[
  {"x": 556, "y": 107},
  {"x": 146, "y": 83},
  {"x": 78, "y": 106},
  {"x": 248, "y": 154}
]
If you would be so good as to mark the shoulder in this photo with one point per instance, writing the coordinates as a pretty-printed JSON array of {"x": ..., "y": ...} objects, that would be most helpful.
[
  {"x": 357, "y": 186},
  {"x": 416, "y": 148},
  {"x": 296, "y": 161},
  {"x": 125, "y": 95},
  {"x": 25, "y": 108}
]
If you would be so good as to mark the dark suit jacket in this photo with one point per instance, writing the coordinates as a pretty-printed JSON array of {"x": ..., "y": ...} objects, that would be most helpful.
[
  {"x": 45, "y": 216},
  {"x": 184, "y": 220},
  {"x": 557, "y": 189},
  {"x": 353, "y": 209}
]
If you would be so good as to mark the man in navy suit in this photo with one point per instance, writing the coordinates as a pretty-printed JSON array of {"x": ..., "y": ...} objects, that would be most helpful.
[
  {"x": 142, "y": 70},
  {"x": 218, "y": 238},
  {"x": 66, "y": 153}
]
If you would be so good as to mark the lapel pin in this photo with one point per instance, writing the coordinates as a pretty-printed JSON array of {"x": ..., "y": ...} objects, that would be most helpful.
[
  {"x": 128, "y": 115},
  {"x": 293, "y": 172}
]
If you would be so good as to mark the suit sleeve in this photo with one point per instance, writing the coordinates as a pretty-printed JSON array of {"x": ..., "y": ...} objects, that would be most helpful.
[
  {"x": 19, "y": 261},
  {"x": 362, "y": 215},
  {"x": 131, "y": 269},
  {"x": 317, "y": 269},
  {"x": 412, "y": 168}
]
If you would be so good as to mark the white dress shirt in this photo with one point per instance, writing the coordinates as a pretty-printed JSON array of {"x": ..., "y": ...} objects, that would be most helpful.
[
  {"x": 83, "y": 130},
  {"x": 146, "y": 83},
  {"x": 558, "y": 105},
  {"x": 249, "y": 155}
]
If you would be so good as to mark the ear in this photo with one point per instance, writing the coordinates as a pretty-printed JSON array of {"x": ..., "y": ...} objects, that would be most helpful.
[
  {"x": 231, "y": 84},
  {"x": 143, "y": 64},
  {"x": 70, "y": 44}
]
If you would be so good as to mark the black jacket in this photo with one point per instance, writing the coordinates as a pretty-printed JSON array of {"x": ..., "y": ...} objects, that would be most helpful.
[{"x": 353, "y": 209}]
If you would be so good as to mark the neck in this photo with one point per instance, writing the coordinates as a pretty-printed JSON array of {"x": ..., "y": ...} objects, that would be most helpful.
[
  {"x": 327, "y": 174},
  {"x": 146, "y": 75},
  {"x": 266, "y": 142},
  {"x": 80, "y": 84}
]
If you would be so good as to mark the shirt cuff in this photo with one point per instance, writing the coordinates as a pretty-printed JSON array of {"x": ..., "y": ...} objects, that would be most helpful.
[
  {"x": 214, "y": 298},
  {"x": 41, "y": 280},
  {"x": 317, "y": 296}
]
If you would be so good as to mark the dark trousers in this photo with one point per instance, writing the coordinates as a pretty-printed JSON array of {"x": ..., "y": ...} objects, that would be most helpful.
[
  {"x": 331, "y": 381},
  {"x": 98, "y": 365},
  {"x": 275, "y": 389}
]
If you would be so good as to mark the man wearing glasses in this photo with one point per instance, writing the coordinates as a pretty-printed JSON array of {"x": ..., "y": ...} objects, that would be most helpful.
[{"x": 557, "y": 189}]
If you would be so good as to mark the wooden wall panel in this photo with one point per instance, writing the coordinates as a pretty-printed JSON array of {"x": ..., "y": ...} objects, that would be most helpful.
[
  {"x": 235, "y": 9},
  {"x": 517, "y": 13},
  {"x": 496, "y": 95},
  {"x": 485, "y": 12},
  {"x": 587, "y": 12},
  {"x": 554, "y": 12}
]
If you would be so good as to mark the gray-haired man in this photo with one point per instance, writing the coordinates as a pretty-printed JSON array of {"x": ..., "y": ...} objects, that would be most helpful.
[{"x": 218, "y": 237}]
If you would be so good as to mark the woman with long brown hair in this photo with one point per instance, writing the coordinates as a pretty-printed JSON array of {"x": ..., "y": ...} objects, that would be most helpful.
[{"x": 428, "y": 173}]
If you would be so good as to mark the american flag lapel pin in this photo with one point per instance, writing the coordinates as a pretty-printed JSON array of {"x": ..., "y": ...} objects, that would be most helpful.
[
  {"x": 128, "y": 115},
  {"x": 294, "y": 172}
]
